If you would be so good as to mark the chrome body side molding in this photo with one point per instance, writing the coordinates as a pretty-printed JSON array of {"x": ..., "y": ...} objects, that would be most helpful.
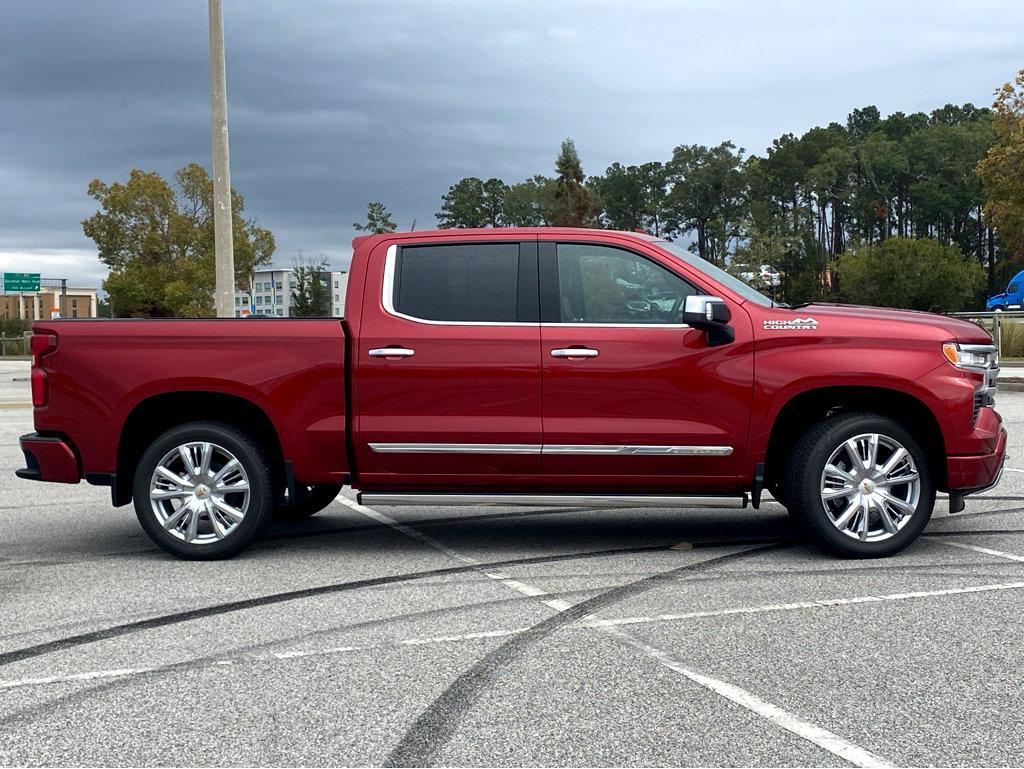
[
  {"x": 526, "y": 448},
  {"x": 455, "y": 448}
]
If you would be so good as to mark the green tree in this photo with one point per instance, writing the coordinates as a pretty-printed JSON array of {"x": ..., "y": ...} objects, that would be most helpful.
[
  {"x": 706, "y": 195},
  {"x": 378, "y": 220},
  {"x": 633, "y": 197},
  {"x": 472, "y": 202},
  {"x": 1002, "y": 168},
  {"x": 311, "y": 296},
  {"x": 575, "y": 205},
  {"x": 914, "y": 274},
  {"x": 530, "y": 203},
  {"x": 157, "y": 240}
]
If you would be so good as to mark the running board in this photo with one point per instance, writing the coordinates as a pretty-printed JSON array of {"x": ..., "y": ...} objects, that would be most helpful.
[{"x": 554, "y": 500}]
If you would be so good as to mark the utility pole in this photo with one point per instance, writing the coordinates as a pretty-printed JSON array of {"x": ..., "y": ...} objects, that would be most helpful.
[{"x": 224, "y": 294}]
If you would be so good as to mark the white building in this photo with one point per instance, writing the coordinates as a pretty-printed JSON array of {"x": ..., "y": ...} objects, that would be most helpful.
[{"x": 271, "y": 292}]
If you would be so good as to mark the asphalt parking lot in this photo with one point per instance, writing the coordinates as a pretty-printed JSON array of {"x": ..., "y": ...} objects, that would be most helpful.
[{"x": 507, "y": 636}]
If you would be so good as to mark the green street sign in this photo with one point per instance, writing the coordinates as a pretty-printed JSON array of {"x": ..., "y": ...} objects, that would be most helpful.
[{"x": 21, "y": 281}]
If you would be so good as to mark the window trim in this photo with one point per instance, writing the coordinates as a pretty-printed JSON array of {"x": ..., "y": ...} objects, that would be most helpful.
[
  {"x": 550, "y": 287},
  {"x": 388, "y": 290}
]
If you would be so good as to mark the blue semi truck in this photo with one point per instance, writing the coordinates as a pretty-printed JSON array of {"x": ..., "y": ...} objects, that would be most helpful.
[{"x": 1012, "y": 298}]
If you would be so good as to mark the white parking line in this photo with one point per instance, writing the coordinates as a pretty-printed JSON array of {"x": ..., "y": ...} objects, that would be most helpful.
[
  {"x": 814, "y": 734},
  {"x": 978, "y": 549},
  {"x": 506, "y": 632},
  {"x": 528, "y": 590}
]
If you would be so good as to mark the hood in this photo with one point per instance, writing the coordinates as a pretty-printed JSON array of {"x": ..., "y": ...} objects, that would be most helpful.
[{"x": 955, "y": 328}]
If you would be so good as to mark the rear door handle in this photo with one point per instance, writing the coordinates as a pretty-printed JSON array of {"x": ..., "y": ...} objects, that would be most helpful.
[
  {"x": 392, "y": 352},
  {"x": 573, "y": 352}
]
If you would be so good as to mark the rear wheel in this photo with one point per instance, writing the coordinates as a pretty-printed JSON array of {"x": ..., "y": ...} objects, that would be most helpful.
[
  {"x": 203, "y": 490},
  {"x": 313, "y": 499},
  {"x": 861, "y": 484}
]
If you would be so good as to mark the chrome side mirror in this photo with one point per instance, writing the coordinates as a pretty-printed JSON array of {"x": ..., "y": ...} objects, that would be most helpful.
[{"x": 711, "y": 315}]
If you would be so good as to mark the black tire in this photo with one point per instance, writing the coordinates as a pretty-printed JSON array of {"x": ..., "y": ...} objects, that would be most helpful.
[
  {"x": 803, "y": 483},
  {"x": 253, "y": 460},
  {"x": 315, "y": 499}
]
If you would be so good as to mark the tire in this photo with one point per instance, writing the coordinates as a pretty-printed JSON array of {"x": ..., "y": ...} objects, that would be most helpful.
[
  {"x": 214, "y": 534},
  {"x": 839, "y": 525},
  {"x": 315, "y": 499}
]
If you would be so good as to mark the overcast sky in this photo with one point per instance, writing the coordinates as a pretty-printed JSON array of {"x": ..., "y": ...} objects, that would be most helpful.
[{"x": 333, "y": 104}]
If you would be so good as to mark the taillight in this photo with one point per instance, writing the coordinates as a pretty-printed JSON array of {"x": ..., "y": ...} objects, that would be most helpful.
[{"x": 41, "y": 346}]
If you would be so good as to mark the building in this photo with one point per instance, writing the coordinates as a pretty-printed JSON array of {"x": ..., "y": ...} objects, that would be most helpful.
[
  {"x": 271, "y": 292},
  {"x": 338, "y": 284},
  {"x": 39, "y": 305}
]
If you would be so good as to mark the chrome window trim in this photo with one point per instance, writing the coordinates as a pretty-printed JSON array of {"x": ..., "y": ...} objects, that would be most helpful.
[
  {"x": 550, "y": 449},
  {"x": 388, "y": 299},
  {"x": 388, "y": 303}
]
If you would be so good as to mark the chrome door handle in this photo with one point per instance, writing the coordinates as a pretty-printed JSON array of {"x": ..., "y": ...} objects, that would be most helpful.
[
  {"x": 392, "y": 352},
  {"x": 573, "y": 352}
]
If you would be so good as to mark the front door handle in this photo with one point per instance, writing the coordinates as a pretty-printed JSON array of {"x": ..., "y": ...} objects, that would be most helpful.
[
  {"x": 573, "y": 353},
  {"x": 392, "y": 353}
]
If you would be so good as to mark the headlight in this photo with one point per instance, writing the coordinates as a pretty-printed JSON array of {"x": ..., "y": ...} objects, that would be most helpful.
[{"x": 979, "y": 357}]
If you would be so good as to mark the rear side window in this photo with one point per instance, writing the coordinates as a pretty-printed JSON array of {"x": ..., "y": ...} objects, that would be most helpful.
[
  {"x": 601, "y": 284},
  {"x": 1013, "y": 288},
  {"x": 471, "y": 282}
]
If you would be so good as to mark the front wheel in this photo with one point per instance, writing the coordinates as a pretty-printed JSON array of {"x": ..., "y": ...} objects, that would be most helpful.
[
  {"x": 861, "y": 483},
  {"x": 204, "y": 490}
]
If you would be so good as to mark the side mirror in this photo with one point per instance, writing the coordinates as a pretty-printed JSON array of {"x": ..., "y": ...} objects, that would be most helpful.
[{"x": 711, "y": 315}]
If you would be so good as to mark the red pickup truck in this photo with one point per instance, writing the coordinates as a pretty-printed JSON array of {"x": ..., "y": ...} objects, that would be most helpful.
[{"x": 523, "y": 366}]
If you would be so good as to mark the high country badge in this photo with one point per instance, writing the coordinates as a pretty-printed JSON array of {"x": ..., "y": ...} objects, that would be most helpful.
[{"x": 797, "y": 324}]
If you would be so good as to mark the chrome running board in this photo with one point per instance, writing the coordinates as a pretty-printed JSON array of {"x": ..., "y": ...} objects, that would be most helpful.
[{"x": 417, "y": 499}]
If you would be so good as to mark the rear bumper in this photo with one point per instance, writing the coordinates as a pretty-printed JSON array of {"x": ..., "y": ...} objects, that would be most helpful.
[
  {"x": 48, "y": 459},
  {"x": 971, "y": 474}
]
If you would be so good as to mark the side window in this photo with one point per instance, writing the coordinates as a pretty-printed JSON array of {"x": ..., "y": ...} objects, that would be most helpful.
[
  {"x": 601, "y": 284},
  {"x": 1013, "y": 288},
  {"x": 472, "y": 282}
]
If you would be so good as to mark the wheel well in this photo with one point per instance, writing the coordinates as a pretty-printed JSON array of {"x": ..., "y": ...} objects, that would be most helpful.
[
  {"x": 155, "y": 416},
  {"x": 811, "y": 407}
]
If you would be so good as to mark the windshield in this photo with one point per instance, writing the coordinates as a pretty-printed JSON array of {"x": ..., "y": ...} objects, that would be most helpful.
[{"x": 717, "y": 274}]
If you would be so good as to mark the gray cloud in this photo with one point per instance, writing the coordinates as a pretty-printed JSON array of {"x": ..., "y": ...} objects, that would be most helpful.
[{"x": 333, "y": 104}]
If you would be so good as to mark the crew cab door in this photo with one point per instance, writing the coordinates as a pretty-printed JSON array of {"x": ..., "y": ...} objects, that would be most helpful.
[
  {"x": 447, "y": 372},
  {"x": 633, "y": 398}
]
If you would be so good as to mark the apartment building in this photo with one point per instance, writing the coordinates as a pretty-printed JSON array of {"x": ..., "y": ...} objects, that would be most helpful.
[{"x": 271, "y": 292}]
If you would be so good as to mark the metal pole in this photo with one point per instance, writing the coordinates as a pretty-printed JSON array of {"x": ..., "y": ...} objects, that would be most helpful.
[
  {"x": 224, "y": 295},
  {"x": 63, "y": 297}
]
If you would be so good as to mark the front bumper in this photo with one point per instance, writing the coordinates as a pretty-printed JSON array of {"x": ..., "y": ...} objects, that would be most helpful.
[
  {"x": 48, "y": 459},
  {"x": 971, "y": 474}
]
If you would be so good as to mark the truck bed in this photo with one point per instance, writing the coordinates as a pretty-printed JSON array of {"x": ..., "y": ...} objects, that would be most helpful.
[{"x": 108, "y": 378}]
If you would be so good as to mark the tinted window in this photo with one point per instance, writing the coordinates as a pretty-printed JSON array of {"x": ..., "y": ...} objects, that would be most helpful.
[
  {"x": 458, "y": 283},
  {"x": 599, "y": 284},
  {"x": 1013, "y": 288}
]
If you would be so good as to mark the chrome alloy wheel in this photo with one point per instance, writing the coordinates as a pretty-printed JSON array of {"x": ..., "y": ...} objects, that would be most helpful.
[
  {"x": 199, "y": 492},
  {"x": 870, "y": 487}
]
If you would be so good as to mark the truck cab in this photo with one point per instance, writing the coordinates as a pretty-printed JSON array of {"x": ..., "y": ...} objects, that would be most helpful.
[{"x": 1011, "y": 299}]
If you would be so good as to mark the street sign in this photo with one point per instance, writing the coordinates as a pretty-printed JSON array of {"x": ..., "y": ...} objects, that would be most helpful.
[{"x": 21, "y": 281}]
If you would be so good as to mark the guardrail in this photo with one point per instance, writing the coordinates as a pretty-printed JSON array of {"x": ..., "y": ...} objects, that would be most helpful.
[
  {"x": 993, "y": 322},
  {"x": 15, "y": 344}
]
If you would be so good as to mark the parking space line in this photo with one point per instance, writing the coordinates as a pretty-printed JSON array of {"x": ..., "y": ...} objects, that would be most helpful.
[
  {"x": 813, "y": 733},
  {"x": 528, "y": 590},
  {"x": 979, "y": 549},
  {"x": 506, "y": 632}
]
